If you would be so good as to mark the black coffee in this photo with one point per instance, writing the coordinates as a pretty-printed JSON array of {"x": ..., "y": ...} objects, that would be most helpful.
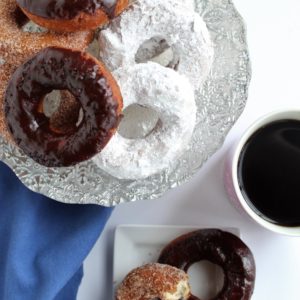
[{"x": 269, "y": 172}]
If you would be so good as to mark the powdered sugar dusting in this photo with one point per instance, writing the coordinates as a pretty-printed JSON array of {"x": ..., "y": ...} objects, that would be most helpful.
[
  {"x": 183, "y": 30},
  {"x": 171, "y": 96}
]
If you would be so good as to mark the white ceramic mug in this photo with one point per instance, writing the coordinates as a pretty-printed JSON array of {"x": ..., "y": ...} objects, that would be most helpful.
[{"x": 231, "y": 171}]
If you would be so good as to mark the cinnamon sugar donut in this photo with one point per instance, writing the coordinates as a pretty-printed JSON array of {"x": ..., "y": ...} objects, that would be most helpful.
[
  {"x": 154, "y": 281},
  {"x": 88, "y": 81},
  {"x": 72, "y": 15},
  {"x": 17, "y": 46}
]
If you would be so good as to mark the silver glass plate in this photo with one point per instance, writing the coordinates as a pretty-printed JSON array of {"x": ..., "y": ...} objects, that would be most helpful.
[{"x": 220, "y": 103}]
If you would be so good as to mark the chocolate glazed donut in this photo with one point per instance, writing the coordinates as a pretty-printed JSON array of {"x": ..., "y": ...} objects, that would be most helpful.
[
  {"x": 221, "y": 248},
  {"x": 72, "y": 15},
  {"x": 88, "y": 81}
]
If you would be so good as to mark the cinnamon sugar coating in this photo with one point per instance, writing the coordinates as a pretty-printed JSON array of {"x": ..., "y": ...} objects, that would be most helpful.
[
  {"x": 17, "y": 46},
  {"x": 154, "y": 281},
  {"x": 67, "y": 114}
]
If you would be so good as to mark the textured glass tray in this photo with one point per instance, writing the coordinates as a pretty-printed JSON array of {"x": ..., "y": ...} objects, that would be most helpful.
[{"x": 220, "y": 103}]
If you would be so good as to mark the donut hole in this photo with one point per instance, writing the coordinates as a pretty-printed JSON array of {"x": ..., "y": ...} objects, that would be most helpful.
[
  {"x": 138, "y": 122},
  {"x": 63, "y": 110},
  {"x": 94, "y": 48},
  {"x": 157, "y": 50},
  {"x": 33, "y": 28},
  {"x": 211, "y": 277}
]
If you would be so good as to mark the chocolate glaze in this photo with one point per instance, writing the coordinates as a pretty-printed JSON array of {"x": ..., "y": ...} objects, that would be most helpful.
[
  {"x": 60, "y": 69},
  {"x": 68, "y": 9},
  {"x": 221, "y": 248}
]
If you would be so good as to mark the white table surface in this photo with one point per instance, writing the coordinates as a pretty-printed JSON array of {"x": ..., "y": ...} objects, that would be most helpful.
[{"x": 274, "y": 42}]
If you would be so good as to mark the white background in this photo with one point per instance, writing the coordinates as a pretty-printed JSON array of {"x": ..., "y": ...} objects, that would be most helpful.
[{"x": 274, "y": 42}]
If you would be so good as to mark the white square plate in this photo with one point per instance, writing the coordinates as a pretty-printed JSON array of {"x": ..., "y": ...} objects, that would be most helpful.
[{"x": 136, "y": 245}]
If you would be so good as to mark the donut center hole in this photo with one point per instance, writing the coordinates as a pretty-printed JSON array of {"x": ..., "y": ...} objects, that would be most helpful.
[
  {"x": 159, "y": 51},
  {"x": 138, "y": 122},
  {"x": 33, "y": 28},
  {"x": 63, "y": 110},
  {"x": 206, "y": 279}
]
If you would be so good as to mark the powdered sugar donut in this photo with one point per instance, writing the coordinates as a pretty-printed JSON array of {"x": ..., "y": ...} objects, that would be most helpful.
[
  {"x": 172, "y": 97},
  {"x": 157, "y": 25}
]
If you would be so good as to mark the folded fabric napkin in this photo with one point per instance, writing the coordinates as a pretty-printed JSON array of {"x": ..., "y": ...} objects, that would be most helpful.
[{"x": 43, "y": 243}]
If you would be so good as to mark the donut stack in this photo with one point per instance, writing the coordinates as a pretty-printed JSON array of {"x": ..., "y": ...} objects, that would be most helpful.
[
  {"x": 155, "y": 54},
  {"x": 160, "y": 52}
]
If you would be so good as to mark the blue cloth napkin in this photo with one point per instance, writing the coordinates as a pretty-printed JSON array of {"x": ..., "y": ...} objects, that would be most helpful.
[{"x": 43, "y": 243}]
